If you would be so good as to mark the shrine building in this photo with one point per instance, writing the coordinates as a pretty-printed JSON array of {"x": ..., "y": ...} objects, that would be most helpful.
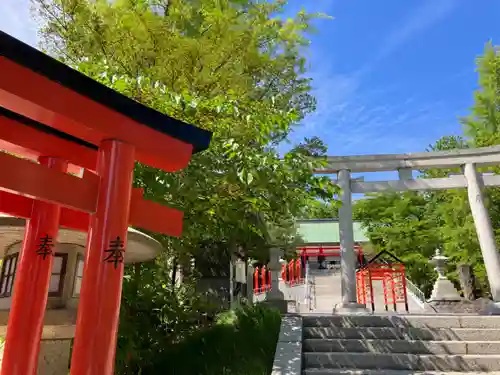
[
  {"x": 64, "y": 288},
  {"x": 321, "y": 237}
]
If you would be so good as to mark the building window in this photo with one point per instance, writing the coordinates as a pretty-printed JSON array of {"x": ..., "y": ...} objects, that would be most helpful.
[
  {"x": 78, "y": 276},
  {"x": 7, "y": 276},
  {"x": 58, "y": 273},
  {"x": 56, "y": 278}
]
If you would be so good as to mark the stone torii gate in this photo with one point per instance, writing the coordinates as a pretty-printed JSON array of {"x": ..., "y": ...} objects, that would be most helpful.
[{"x": 468, "y": 160}]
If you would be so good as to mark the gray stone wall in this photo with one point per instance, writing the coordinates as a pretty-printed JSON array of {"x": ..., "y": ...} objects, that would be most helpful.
[{"x": 53, "y": 358}]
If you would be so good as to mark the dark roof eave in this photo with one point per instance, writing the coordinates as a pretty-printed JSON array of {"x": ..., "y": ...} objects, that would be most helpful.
[{"x": 56, "y": 71}]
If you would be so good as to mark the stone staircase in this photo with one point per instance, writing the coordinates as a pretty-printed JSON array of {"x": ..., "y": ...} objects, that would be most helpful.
[{"x": 397, "y": 345}]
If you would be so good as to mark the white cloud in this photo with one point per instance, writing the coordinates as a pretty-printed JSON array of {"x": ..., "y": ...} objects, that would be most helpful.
[
  {"x": 350, "y": 117},
  {"x": 15, "y": 19}
]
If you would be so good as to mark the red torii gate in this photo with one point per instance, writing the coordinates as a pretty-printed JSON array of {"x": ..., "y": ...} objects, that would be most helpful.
[
  {"x": 393, "y": 279},
  {"x": 67, "y": 122}
]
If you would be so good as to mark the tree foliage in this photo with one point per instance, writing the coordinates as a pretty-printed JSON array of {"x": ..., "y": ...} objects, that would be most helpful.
[
  {"x": 234, "y": 67},
  {"x": 483, "y": 123}
]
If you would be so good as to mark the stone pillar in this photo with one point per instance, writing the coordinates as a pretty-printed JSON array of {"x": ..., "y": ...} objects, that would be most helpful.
[
  {"x": 405, "y": 174},
  {"x": 232, "y": 305},
  {"x": 275, "y": 296},
  {"x": 348, "y": 255},
  {"x": 484, "y": 230},
  {"x": 250, "y": 272}
]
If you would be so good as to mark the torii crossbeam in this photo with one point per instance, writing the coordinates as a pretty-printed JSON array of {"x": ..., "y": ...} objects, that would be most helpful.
[{"x": 466, "y": 159}]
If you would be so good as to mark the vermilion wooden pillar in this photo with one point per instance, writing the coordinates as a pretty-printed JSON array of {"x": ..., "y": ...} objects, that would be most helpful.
[
  {"x": 31, "y": 286},
  {"x": 98, "y": 312}
]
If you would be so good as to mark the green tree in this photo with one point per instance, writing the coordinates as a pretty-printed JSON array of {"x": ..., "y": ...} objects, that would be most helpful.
[
  {"x": 318, "y": 209},
  {"x": 233, "y": 67},
  {"x": 401, "y": 223},
  {"x": 483, "y": 123},
  {"x": 209, "y": 48}
]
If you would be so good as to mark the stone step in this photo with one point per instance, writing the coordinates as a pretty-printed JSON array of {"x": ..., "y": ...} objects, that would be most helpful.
[
  {"x": 420, "y": 321},
  {"x": 401, "y": 346},
  {"x": 469, "y": 362},
  {"x": 410, "y": 333},
  {"x": 336, "y": 371}
]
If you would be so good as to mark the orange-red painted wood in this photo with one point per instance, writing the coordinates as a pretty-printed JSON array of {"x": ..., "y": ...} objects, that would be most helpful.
[
  {"x": 25, "y": 92},
  {"x": 98, "y": 311},
  {"x": 15, "y": 205},
  {"x": 153, "y": 216},
  {"x": 31, "y": 286},
  {"x": 27, "y": 178},
  {"x": 143, "y": 214},
  {"x": 32, "y": 143}
]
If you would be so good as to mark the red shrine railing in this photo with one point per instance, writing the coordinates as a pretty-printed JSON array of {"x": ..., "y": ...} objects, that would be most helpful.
[
  {"x": 261, "y": 280},
  {"x": 393, "y": 280},
  {"x": 291, "y": 273},
  {"x": 327, "y": 251}
]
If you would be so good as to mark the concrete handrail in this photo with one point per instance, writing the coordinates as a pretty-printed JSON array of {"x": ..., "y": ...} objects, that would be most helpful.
[
  {"x": 312, "y": 293},
  {"x": 306, "y": 283},
  {"x": 416, "y": 293},
  {"x": 288, "y": 355},
  {"x": 415, "y": 290}
]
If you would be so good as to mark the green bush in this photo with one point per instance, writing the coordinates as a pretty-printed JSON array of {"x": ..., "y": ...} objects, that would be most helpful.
[{"x": 242, "y": 342}]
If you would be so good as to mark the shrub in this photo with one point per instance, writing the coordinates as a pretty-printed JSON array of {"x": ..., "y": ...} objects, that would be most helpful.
[{"x": 241, "y": 342}]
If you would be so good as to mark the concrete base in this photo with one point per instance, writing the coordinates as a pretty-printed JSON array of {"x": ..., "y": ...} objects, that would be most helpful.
[
  {"x": 491, "y": 309},
  {"x": 350, "y": 308},
  {"x": 457, "y": 307},
  {"x": 275, "y": 294},
  {"x": 280, "y": 304},
  {"x": 444, "y": 290}
]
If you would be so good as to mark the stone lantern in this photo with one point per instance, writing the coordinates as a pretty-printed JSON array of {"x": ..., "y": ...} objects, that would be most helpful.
[
  {"x": 440, "y": 261},
  {"x": 443, "y": 290}
]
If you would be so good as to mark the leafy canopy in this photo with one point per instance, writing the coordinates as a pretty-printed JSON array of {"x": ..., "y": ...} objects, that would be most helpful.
[{"x": 234, "y": 67}]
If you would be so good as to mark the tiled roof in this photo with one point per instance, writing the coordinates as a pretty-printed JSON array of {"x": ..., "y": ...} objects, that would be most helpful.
[{"x": 326, "y": 231}]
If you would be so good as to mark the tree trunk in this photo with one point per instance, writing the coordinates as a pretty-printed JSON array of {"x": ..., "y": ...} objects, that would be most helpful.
[
  {"x": 174, "y": 272},
  {"x": 466, "y": 276}
]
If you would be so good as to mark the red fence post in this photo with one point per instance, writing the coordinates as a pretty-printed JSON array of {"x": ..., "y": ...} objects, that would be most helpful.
[
  {"x": 370, "y": 288},
  {"x": 298, "y": 274},
  {"x": 291, "y": 273},
  {"x": 393, "y": 291},
  {"x": 256, "y": 280},
  {"x": 263, "y": 278},
  {"x": 358, "y": 285},
  {"x": 384, "y": 285},
  {"x": 403, "y": 281}
]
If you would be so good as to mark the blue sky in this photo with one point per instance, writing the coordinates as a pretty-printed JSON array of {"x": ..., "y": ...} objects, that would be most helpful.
[
  {"x": 390, "y": 76},
  {"x": 393, "y": 76}
]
